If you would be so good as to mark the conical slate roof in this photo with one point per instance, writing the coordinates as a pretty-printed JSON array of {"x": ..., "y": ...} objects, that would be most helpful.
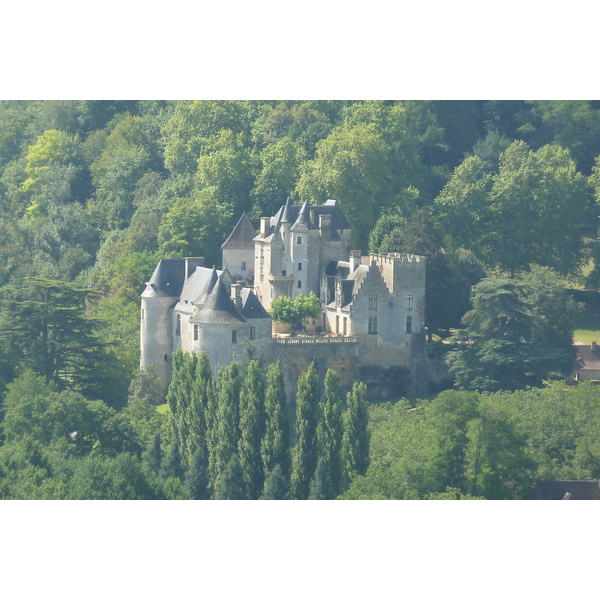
[
  {"x": 219, "y": 307},
  {"x": 203, "y": 296},
  {"x": 167, "y": 279},
  {"x": 287, "y": 216},
  {"x": 303, "y": 220},
  {"x": 242, "y": 236}
]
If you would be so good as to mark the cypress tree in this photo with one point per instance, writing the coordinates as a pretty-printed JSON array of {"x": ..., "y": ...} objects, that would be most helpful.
[
  {"x": 196, "y": 414},
  {"x": 304, "y": 453},
  {"x": 356, "y": 433},
  {"x": 321, "y": 486},
  {"x": 171, "y": 463},
  {"x": 225, "y": 430},
  {"x": 231, "y": 484},
  {"x": 252, "y": 429},
  {"x": 275, "y": 485},
  {"x": 276, "y": 442},
  {"x": 196, "y": 479},
  {"x": 330, "y": 430},
  {"x": 153, "y": 454}
]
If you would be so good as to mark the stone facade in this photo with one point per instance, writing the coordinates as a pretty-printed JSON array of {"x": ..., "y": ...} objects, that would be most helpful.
[{"x": 372, "y": 324}]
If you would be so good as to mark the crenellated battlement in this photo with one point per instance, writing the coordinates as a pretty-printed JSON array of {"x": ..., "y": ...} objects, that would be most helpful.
[{"x": 392, "y": 258}]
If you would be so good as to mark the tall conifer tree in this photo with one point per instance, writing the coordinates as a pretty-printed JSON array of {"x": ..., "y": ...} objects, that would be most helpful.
[
  {"x": 356, "y": 433},
  {"x": 252, "y": 428},
  {"x": 276, "y": 442},
  {"x": 330, "y": 431},
  {"x": 231, "y": 484},
  {"x": 304, "y": 453},
  {"x": 226, "y": 428},
  {"x": 275, "y": 485}
]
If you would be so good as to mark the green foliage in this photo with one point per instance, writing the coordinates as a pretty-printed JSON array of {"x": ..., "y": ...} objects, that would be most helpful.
[
  {"x": 196, "y": 226},
  {"x": 321, "y": 486},
  {"x": 45, "y": 327},
  {"x": 274, "y": 446},
  {"x": 517, "y": 332},
  {"x": 275, "y": 485},
  {"x": 231, "y": 483},
  {"x": 291, "y": 312},
  {"x": 497, "y": 463},
  {"x": 226, "y": 425},
  {"x": 196, "y": 478},
  {"x": 330, "y": 432},
  {"x": 356, "y": 431},
  {"x": 304, "y": 453},
  {"x": 252, "y": 429},
  {"x": 531, "y": 211}
]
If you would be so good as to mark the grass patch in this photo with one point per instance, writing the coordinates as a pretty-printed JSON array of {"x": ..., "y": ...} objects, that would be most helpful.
[
  {"x": 586, "y": 336},
  {"x": 587, "y": 326}
]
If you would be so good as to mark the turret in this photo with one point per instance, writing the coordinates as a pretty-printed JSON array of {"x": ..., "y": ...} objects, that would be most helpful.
[{"x": 156, "y": 330}]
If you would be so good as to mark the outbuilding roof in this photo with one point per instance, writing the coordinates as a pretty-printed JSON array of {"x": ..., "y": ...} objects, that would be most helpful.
[{"x": 242, "y": 236}]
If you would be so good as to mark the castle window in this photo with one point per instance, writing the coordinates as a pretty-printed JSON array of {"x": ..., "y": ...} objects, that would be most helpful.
[
  {"x": 409, "y": 324},
  {"x": 178, "y": 327},
  {"x": 252, "y": 332},
  {"x": 345, "y": 325},
  {"x": 372, "y": 325},
  {"x": 373, "y": 301},
  {"x": 166, "y": 357},
  {"x": 337, "y": 324},
  {"x": 283, "y": 273},
  {"x": 299, "y": 240},
  {"x": 243, "y": 266},
  {"x": 299, "y": 266},
  {"x": 196, "y": 330},
  {"x": 299, "y": 284},
  {"x": 409, "y": 302},
  {"x": 234, "y": 336},
  {"x": 143, "y": 314}
]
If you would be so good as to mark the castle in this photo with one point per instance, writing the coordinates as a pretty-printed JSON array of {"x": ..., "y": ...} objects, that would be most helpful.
[{"x": 372, "y": 323}]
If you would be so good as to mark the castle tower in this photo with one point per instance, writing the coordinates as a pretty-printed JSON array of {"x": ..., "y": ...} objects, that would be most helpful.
[
  {"x": 156, "y": 330},
  {"x": 238, "y": 250}
]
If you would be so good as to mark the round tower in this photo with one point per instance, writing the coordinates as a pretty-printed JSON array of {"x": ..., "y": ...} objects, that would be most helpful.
[{"x": 156, "y": 332}]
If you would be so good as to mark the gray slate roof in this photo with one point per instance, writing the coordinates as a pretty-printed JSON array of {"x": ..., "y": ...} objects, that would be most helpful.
[
  {"x": 167, "y": 279},
  {"x": 242, "y": 236},
  {"x": 251, "y": 306},
  {"x": 219, "y": 307},
  {"x": 290, "y": 213}
]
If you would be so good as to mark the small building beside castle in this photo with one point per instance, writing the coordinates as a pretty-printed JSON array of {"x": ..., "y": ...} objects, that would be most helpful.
[{"x": 372, "y": 324}]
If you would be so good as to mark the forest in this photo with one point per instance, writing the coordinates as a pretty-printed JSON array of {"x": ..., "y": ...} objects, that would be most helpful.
[{"x": 500, "y": 196}]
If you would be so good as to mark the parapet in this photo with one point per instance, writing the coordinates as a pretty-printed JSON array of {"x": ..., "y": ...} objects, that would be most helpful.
[{"x": 393, "y": 257}]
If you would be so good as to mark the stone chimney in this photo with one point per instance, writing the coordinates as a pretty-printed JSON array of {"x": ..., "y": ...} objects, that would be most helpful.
[
  {"x": 354, "y": 260},
  {"x": 264, "y": 226},
  {"x": 236, "y": 297},
  {"x": 191, "y": 262},
  {"x": 325, "y": 227}
]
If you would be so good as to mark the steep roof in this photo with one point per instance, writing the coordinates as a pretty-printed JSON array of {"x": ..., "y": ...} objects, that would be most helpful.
[
  {"x": 197, "y": 283},
  {"x": 242, "y": 236},
  {"x": 290, "y": 213},
  {"x": 251, "y": 306},
  {"x": 218, "y": 308},
  {"x": 167, "y": 279}
]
